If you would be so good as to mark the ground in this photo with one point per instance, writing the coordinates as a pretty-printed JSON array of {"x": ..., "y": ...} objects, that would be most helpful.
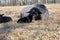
[{"x": 48, "y": 29}]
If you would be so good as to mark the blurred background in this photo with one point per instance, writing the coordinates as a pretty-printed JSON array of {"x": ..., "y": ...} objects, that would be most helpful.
[{"x": 26, "y": 2}]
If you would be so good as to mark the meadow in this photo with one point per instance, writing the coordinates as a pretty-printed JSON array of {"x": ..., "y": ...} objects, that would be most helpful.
[{"x": 48, "y": 29}]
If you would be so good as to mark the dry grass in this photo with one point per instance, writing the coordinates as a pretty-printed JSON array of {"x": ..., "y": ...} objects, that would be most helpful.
[{"x": 37, "y": 30}]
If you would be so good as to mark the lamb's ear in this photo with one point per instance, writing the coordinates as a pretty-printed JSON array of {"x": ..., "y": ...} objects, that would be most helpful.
[
  {"x": 1, "y": 14},
  {"x": 28, "y": 12}
]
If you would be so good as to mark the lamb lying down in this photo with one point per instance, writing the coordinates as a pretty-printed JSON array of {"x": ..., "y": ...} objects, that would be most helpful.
[
  {"x": 4, "y": 19},
  {"x": 33, "y": 12}
]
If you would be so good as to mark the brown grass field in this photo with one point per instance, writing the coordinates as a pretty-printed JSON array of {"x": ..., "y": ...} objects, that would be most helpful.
[{"x": 48, "y": 29}]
